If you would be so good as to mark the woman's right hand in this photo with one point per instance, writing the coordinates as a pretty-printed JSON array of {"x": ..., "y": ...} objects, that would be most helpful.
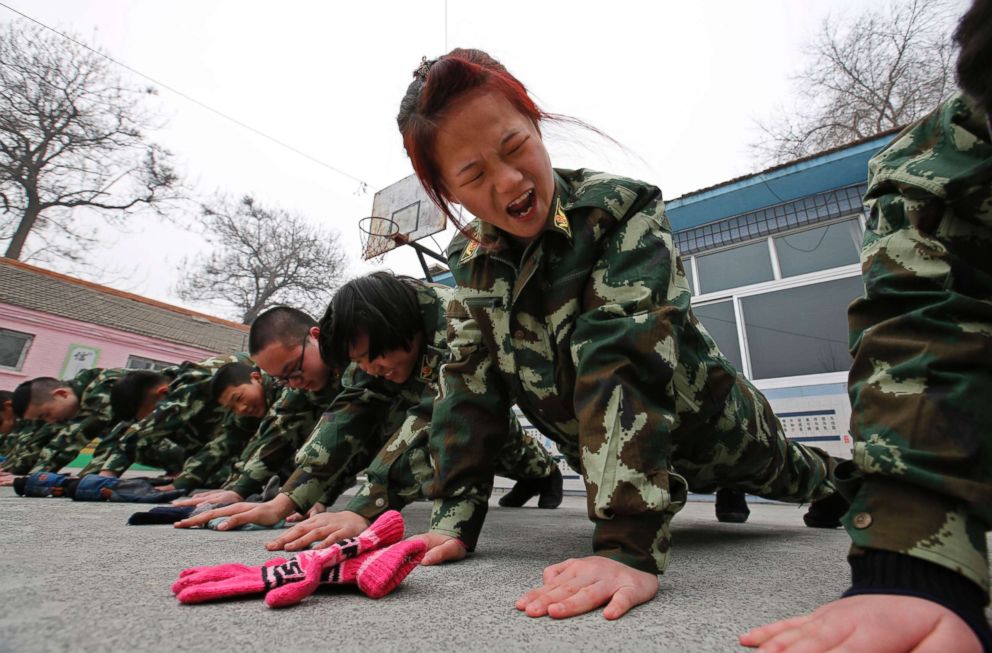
[{"x": 330, "y": 527}]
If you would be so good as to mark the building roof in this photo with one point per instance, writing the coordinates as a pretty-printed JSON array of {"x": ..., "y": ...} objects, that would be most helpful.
[
  {"x": 42, "y": 290},
  {"x": 834, "y": 168}
]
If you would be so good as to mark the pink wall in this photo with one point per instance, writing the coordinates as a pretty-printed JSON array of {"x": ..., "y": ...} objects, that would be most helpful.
[{"x": 53, "y": 337}]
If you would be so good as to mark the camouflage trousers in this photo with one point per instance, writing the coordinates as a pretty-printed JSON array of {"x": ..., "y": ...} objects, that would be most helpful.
[{"x": 921, "y": 389}]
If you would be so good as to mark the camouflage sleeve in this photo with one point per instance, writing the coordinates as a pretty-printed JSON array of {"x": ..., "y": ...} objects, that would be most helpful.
[
  {"x": 921, "y": 381},
  {"x": 170, "y": 420},
  {"x": 105, "y": 448},
  {"x": 402, "y": 468},
  {"x": 633, "y": 309},
  {"x": 341, "y": 445},
  {"x": 69, "y": 440},
  {"x": 284, "y": 428},
  {"x": 468, "y": 430},
  {"x": 230, "y": 437},
  {"x": 31, "y": 439}
]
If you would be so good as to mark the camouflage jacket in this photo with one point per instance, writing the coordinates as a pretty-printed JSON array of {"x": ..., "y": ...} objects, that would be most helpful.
[
  {"x": 25, "y": 443},
  {"x": 922, "y": 341},
  {"x": 94, "y": 419},
  {"x": 284, "y": 429},
  {"x": 588, "y": 330},
  {"x": 187, "y": 417},
  {"x": 376, "y": 425},
  {"x": 231, "y": 437}
]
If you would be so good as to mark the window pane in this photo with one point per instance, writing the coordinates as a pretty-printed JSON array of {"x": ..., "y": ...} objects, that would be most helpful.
[
  {"x": 12, "y": 345},
  {"x": 821, "y": 248},
  {"x": 687, "y": 265},
  {"x": 735, "y": 267},
  {"x": 800, "y": 330},
  {"x": 718, "y": 318},
  {"x": 141, "y": 363}
]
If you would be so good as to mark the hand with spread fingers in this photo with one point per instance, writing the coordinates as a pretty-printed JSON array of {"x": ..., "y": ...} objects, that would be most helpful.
[
  {"x": 323, "y": 529},
  {"x": 881, "y": 623},
  {"x": 580, "y": 585},
  {"x": 297, "y": 517},
  {"x": 210, "y": 496},
  {"x": 269, "y": 513}
]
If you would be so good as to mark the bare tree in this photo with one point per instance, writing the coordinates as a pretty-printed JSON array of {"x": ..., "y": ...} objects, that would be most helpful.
[
  {"x": 71, "y": 137},
  {"x": 883, "y": 69},
  {"x": 263, "y": 257}
]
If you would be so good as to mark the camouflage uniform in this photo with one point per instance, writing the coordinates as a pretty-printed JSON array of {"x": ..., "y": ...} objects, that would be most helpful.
[
  {"x": 180, "y": 425},
  {"x": 24, "y": 444},
  {"x": 285, "y": 427},
  {"x": 384, "y": 427},
  {"x": 921, "y": 381},
  {"x": 588, "y": 330},
  {"x": 94, "y": 419}
]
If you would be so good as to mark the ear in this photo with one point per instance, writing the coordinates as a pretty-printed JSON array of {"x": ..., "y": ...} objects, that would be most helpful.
[
  {"x": 256, "y": 376},
  {"x": 61, "y": 393},
  {"x": 162, "y": 390},
  {"x": 314, "y": 332}
]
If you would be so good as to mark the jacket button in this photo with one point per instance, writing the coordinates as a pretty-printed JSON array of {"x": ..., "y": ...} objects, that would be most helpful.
[
  {"x": 380, "y": 502},
  {"x": 862, "y": 520}
]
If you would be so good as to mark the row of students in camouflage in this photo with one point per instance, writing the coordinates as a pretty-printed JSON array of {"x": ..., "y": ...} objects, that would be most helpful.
[{"x": 382, "y": 427}]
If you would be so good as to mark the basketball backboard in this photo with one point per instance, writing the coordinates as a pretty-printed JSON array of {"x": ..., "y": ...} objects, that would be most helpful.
[{"x": 413, "y": 215}]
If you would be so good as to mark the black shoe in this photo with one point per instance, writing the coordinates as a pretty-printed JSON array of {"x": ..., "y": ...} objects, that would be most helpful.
[
  {"x": 522, "y": 492},
  {"x": 552, "y": 492},
  {"x": 731, "y": 506},
  {"x": 826, "y": 513}
]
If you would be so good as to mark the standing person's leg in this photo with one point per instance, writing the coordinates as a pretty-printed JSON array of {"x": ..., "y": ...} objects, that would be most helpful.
[{"x": 535, "y": 470}]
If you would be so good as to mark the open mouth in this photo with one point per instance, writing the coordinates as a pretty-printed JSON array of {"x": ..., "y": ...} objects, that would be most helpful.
[{"x": 522, "y": 206}]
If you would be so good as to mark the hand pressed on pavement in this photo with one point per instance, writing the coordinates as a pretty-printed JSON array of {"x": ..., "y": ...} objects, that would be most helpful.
[
  {"x": 881, "y": 623},
  {"x": 325, "y": 528},
  {"x": 263, "y": 514},
  {"x": 210, "y": 496},
  {"x": 579, "y": 585},
  {"x": 440, "y": 548}
]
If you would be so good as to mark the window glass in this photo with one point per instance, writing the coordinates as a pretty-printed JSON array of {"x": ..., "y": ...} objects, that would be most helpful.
[
  {"x": 13, "y": 347},
  {"x": 800, "y": 330},
  {"x": 141, "y": 363},
  {"x": 820, "y": 248},
  {"x": 719, "y": 320},
  {"x": 735, "y": 267},
  {"x": 687, "y": 266}
]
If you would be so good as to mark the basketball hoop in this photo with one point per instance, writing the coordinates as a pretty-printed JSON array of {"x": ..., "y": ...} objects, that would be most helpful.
[{"x": 379, "y": 236}]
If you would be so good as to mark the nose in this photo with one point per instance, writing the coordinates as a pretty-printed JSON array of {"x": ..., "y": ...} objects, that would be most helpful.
[{"x": 506, "y": 177}]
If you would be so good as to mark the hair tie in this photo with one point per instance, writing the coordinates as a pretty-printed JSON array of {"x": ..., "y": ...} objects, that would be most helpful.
[{"x": 424, "y": 68}]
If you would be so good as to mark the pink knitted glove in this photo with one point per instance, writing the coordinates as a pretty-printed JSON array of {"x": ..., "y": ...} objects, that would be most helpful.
[
  {"x": 377, "y": 573},
  {"x": 202, "y": 584}
]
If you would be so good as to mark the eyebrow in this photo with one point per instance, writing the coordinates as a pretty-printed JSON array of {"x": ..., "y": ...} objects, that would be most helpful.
[{"x": 502, "y": 142}]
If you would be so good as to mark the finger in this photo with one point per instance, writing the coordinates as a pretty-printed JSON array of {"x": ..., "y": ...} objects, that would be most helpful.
[
  {"x": 950, "y": 634},
  {"x": 309, "y": 537},
  {"x": 815, "y": 636},
  {"x": 587, "y": 598},
  {"x": 197, "y": 520},
  {"x": 555, "y": 594},
  {"x": 756, "y": 636},
  {"x": 295, "y": 517},
  {"x": 290, "y": 535},
  {"x": 554, "y": 571},
  {"x": 247, "y": 517},
  {"x": 448, "y": 551},
  {"x": 621, "y": 603},
  {"x": 783, "y": 640}
]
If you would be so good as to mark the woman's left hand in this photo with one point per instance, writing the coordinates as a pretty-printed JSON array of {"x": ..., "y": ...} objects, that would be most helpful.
[{"x": 579, "y": 585}]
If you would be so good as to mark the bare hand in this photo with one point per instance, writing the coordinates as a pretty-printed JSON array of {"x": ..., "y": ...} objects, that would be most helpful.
[
  {"x": 269, "y": 513},
  {"x": 6, "y": 479},
  {"x": 316, "y": 510},
  {"x": 210, "y": 496},
  {"x": 108, "y": 474},
  {"x": 330, "y": 527},
  {"x": 882, "y": 623},
  {"x": 440, "y": 548},
  {"x": 579, "y": 585}
]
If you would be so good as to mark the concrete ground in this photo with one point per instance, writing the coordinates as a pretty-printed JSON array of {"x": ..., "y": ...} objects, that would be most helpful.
[{"x": 75, "y": 577}]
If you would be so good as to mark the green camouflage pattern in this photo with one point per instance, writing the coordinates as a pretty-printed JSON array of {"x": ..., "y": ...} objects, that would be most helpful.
[
  {"x": 213, "y": 464},
  {"x": 921, "y": 381},
  {"x": 105, "y": 447},
  {"x": 383, "y": 428},
  {"x": 588, "y": 329},
  {"x": 25, "y": 443},
  {"x": 286, "y": 426},
  {"x": 182, "y": 423},
  {"x": 94, "y": 419}
]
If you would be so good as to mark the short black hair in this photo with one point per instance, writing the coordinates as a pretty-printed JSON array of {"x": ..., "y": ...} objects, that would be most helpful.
[
  {"x": 131, "y": 390},
  {"x": 283, "y": 324},
  {"x": 36, "y": 391},
  {"x": 5, "y": 396},
  {"x": 381, "y": 305},
  {"x": 230, "y": 375},
  {"x": 974, "y": 36}
]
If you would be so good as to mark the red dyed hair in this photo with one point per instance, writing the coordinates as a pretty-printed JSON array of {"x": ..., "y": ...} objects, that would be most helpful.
[{"x": 436, "y": 86}]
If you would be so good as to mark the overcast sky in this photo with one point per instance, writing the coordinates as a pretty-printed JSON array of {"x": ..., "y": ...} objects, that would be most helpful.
[{"x": 678, "y": 84}]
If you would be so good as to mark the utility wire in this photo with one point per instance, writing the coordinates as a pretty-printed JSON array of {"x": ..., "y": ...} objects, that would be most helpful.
[{"x": 363, "y": 185}]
